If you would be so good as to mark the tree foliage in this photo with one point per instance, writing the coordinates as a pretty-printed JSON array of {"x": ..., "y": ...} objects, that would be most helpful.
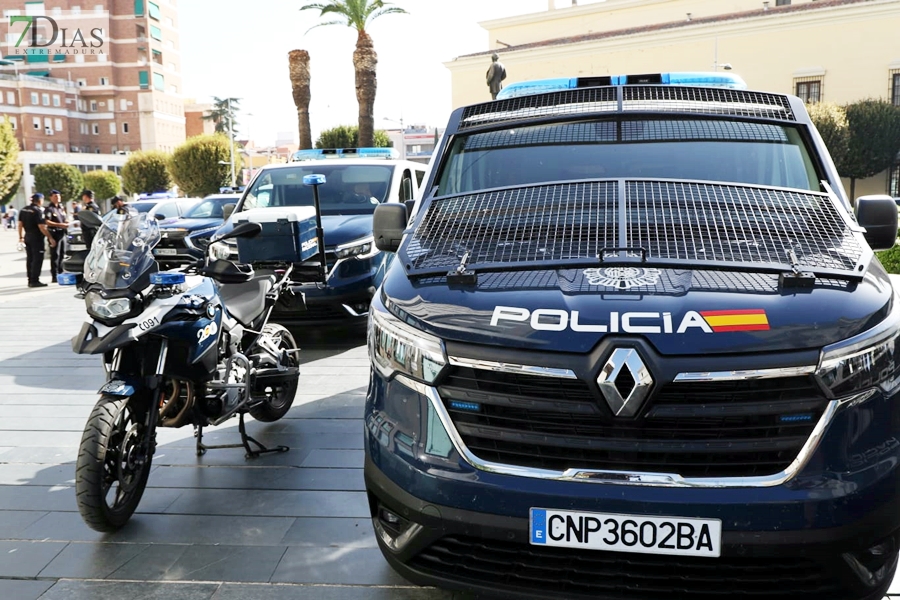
[
  {"x": 874, "y": 137},
  {"x": 105, "y": 184},
  {"x": 201, "y": 165},
  {"x": 59, "y": 176},
  {"x": 224, "y": 109},
  {"x": 347, "y": 136},
  {"x": 357, "y": 14},
  {"x": 146, "y": 172},
  {"x": 10, "y": 168},
  {"x": 831, "y": 121}
]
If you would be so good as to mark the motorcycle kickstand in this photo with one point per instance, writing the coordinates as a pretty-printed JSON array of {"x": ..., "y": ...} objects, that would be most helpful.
[{"x": 246, "y": 440}]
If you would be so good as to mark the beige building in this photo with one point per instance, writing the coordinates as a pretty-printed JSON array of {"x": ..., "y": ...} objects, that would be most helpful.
[
  {"x": 832, "y": 50},
  {"x": 126, "y": 98}
]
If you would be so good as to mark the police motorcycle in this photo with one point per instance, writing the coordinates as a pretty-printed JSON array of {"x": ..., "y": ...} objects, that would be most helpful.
[{"x": 192, "y": 347}]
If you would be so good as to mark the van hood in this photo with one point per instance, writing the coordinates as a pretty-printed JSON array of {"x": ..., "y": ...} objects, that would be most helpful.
[
  {"x": 679, "y": 312},
  {"x": 189, "y": 224}
]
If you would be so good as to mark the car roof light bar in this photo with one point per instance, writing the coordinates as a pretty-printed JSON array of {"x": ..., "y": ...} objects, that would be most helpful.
[
  {"x": 332, "y": 153},
  {"x": 699, "y": 79}
]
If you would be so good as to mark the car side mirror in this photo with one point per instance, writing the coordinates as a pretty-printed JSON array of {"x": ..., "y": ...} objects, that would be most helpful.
[
  {"x": 878, "y": 214},
  {"x": 388, "y": 224},
  {"x": 227, "y": 211}
]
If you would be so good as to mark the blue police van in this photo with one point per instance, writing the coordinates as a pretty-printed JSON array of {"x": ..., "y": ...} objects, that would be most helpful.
[{"x": 636, "y": 344}]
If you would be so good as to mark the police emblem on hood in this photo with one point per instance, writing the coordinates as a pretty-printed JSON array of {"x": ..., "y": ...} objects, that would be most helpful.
[{"x": 622, "y": 278}]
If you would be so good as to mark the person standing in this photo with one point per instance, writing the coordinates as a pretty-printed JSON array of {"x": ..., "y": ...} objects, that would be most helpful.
[
  {"x": 33, "y": 230},
  {"x": 57, "y": 223},
  {"x": 11, "y": 213},
  {"x": 87, "y": 201}
]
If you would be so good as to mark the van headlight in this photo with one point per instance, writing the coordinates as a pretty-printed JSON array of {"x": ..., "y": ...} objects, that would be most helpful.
[
  {"x": 395, "y": 347},
  {"x": 106, "y": 308},
  {"x": 361, "y": 248},
  {"x": 868, "y": 360}
]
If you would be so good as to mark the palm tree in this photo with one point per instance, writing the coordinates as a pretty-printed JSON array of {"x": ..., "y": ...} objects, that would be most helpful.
[
  {"x": 357, "y": 14},
  {"x": 298, "y": 62}
]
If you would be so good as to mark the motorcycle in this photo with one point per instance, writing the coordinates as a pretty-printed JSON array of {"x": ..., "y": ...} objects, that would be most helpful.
[{"x": 191, "y": 347}]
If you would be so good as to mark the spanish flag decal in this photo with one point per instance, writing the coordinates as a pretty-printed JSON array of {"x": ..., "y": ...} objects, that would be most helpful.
[{"x": 736, "y": 320}]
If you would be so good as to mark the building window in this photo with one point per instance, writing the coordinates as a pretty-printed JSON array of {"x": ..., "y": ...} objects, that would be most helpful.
[
  {"x": 157, "y": 57},
  {"x": 57, "y": 124},
  {"x": 60, "y": 147},
  {"x": 170, "y": 23},
  {"x": 895, "y": 87},
  {"x": 139, "y": 7},
  {"x": 101, "y": 58},
  {"x": 154, "y": 11},
  {"x": 156, "y": 33},
  {"x": 144, "y": 79},
  {"x": 34, "y": 8},
  {"x": 83, "y": 128},
  {"x": 104, "y": 81},
  {"x": 95, "y": 129},
  {"x": 124, "y": 127},
  {"x": 10, "y": 98},
  {"x": 12, "y": 121},
  {"x": 37, "y": 123},
  {"x": 809, "y": 89},
  {"x": 34, "y": 98},
  {"x": 56, "y": 101},
  {"x": 173, "y": 89},
  {"x": 159, "y": 82},
  {"x": 76, "y": 10},
  {"x": 39, "y": 147},
  {"x": 45, "y": 99},
  {"x": 894, "y": 181},
  {"x": 782, "y": 2},
  {"x": 123, "y": 104},
  {"x": 93, "y": 106},
  {"x": 112, "y": 128}
]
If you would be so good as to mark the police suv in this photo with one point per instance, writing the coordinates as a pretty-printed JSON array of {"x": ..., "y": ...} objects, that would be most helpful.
[{"x": 636, "y": 344}]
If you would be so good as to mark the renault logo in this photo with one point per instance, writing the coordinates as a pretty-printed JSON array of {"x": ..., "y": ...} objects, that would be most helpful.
[{"x": 625, "y": 382}]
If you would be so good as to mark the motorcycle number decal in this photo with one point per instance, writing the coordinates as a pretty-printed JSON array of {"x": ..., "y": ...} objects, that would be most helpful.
[
  {"x": 148, "y": 324},
  {"x": 209, "y": 330}
]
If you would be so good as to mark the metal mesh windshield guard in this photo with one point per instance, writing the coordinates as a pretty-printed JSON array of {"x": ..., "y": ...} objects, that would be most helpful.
[
  {"x": 634, "y": 98},
  {"x": 676, "y": 223}
]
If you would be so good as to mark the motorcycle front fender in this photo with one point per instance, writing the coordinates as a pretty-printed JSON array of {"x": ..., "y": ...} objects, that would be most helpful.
[
  {"x": 119, "y": 388},
  {"x": 89, "y": 340}
]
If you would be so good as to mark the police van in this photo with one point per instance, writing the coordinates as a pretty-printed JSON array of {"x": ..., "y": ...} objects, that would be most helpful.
[{"x": 636, "y": 344}]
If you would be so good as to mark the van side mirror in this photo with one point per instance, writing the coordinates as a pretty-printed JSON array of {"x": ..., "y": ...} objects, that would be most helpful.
[
  {"x": 227, "y": 211},
  {"x": 878, "y": 214},
  {"x": 388, "y": 224}
]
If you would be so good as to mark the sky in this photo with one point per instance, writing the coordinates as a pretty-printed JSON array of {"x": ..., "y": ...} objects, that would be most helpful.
[{"x": 238, "y": 48}]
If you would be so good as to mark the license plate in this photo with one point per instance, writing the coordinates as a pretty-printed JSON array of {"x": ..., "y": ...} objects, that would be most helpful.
[
  {"x": 626, "y": 533},
  {"x": 165, "y": 251},
  {"x": 77, "y": 247}
]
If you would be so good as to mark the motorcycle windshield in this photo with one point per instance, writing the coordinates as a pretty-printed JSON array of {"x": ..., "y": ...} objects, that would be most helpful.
[{"x": 122, "y": 249}]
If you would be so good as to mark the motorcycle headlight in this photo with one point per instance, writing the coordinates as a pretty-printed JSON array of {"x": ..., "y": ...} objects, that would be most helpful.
[
  {"x": 107, "y": 308},
  {"x": 362, "y": 248},
  {"x": 222, "y": 251},
  {"x": 868, "y": 360},
  {"x": 395, "y": 347}
]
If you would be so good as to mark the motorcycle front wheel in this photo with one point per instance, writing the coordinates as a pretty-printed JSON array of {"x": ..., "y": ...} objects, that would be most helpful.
[
  {"x": 278, "y": 398},
  {"x": 111, "y": 471}
]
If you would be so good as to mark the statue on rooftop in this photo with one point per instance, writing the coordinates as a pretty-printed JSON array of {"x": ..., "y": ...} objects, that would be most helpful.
[{"x": 496, "y": 73}]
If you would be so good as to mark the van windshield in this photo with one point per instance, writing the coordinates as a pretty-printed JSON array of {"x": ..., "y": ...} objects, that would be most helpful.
[
  {"x": 696, "y": 149},
  {"x": 348, "y": 190}
]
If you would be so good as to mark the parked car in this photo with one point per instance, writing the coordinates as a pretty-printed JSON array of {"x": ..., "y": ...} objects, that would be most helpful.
[
  {"x": 185, "y": 239},
  {"x": 354, "y": 187},
  {"x": 634, "y": 344},
  {"x": 161, "y": 209}
]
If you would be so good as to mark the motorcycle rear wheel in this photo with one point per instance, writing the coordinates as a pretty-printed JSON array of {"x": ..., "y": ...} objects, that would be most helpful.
[
  {"x": 110, "y": 476},
  {"x": 281, "y": 398}
]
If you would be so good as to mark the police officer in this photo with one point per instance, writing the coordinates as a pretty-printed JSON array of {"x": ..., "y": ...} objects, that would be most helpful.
[
  {"x": 57, "y": 223},
  {"x": 87, "y": 201},
  {"x": 32, "y": 230}
]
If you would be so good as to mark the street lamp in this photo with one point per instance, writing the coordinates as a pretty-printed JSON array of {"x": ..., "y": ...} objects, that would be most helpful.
[
  {"x": 402, "y": 135},
  {"x": 231, "y": 139}
]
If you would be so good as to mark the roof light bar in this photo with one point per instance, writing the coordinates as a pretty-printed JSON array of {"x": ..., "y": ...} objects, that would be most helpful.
[
  {"x": 698, "y": 79},
  {"x": 332, "y": 153}
]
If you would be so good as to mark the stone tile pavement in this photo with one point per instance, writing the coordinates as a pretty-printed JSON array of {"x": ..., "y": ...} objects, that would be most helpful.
[{"x": 219, "y": 527}]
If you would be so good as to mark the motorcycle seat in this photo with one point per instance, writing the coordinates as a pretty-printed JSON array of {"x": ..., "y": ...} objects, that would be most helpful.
[{"x": 246, "y": 301}]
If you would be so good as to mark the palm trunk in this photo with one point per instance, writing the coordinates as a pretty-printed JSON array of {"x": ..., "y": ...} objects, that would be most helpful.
[
  {"x": 365, "y": 61},
  {"x": 298, "y": 62}
]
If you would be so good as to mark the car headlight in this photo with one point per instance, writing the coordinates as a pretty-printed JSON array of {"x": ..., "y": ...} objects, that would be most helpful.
[
  {"x": 107, "y": 308},
  {"x": 361, "y": 248},
  {"x": 200, "y": 238},
  {"x": 222, "y": 251},
  {"x": 397, "y": 348},
  {"x": 868, "y": 360}
]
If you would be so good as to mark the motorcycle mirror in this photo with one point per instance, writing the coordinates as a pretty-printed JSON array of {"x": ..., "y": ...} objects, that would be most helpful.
[
  {"x": 89, "y": 218},
  {"x": 242, "y": 230}
]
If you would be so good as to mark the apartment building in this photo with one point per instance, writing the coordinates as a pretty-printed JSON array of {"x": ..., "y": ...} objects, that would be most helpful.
[
  {"x": 820, "y": 50},
  {"x": 126, "y": 97}
]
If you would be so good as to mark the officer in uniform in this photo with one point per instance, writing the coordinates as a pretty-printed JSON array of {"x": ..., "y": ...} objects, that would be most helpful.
[
  {"x": 57, "y": 223},
  {"x": 87, "y": 201},
  {"x": 32, "y": 231}
]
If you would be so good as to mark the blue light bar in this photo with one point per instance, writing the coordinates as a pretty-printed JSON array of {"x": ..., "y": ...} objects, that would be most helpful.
[
  {"x": 468, "y": 406},
  {"x": 67, "y": 279},
  {"x": 167, "y": 278},
  {"x": 697, "y": 79},
  {"x": 331, "y": 153},
  {"x": 314, "y": 179}
]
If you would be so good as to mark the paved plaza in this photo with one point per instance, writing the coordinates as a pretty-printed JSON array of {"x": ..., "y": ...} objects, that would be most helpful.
[{"x": 291, "y": 525}]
